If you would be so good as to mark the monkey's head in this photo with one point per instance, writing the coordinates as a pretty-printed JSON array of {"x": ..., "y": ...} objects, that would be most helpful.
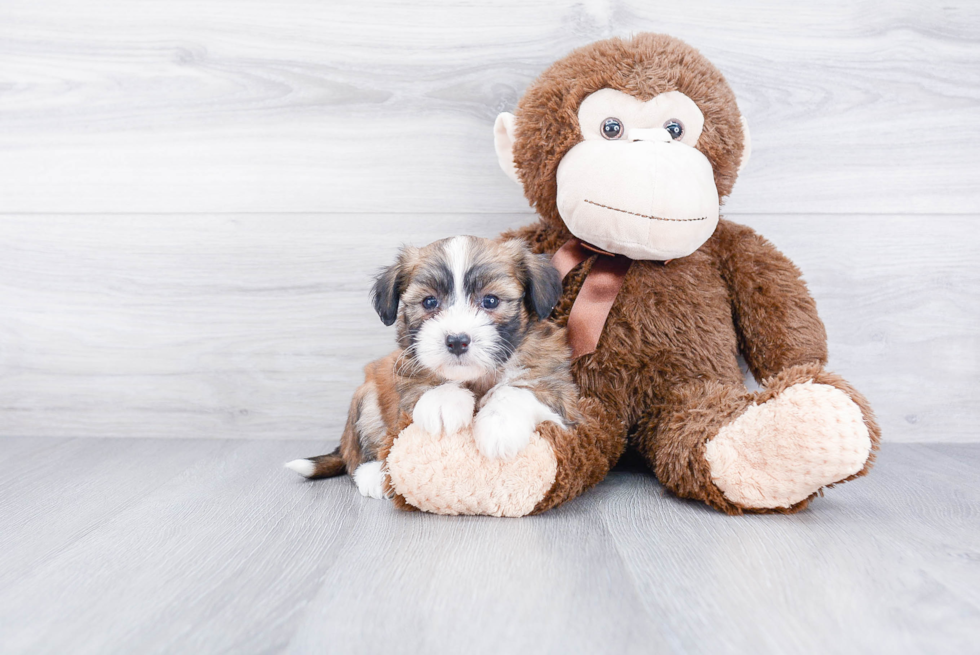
[{"x": 630, "y": 143}]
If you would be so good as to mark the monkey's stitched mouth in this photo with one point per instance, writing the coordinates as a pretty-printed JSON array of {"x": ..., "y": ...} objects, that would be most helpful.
[{"x": 656, "y": 218}]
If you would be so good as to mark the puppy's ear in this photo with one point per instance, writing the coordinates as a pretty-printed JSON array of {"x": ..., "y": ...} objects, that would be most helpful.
[
  {"x": 542, "y": 285},
  {"x": 389, "y": 286}
]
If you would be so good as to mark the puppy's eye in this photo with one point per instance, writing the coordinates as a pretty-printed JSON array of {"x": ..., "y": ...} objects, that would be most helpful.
[
  {"x": 612, "y": 128},
  {"x": 675, "y": 128},
  {"x": 430, "y": 302},
  {"x": 490, "y": 302}
]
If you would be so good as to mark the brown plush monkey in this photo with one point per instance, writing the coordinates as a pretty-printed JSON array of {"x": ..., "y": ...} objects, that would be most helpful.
[{"x": 624, "y": 148}]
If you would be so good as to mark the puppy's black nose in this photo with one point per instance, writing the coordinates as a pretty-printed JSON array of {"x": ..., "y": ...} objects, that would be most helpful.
[{"x": 458, "y": 343}]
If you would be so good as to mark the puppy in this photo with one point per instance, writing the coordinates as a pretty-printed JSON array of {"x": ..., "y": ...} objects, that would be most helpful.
[{"x": 474, "y": 349}]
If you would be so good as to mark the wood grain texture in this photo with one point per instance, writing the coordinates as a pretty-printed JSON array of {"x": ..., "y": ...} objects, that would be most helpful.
[
  {"x": 382, "y": 106},
  {"x": 164, "y": 546},
  {"x": 259, "y": 326}
]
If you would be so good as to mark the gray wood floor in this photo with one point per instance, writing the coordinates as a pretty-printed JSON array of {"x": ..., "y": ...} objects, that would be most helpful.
[{"x": 203, "y": 546}]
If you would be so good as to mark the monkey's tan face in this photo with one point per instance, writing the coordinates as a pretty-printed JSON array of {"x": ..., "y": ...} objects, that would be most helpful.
[{"x": 636, "y": 185}]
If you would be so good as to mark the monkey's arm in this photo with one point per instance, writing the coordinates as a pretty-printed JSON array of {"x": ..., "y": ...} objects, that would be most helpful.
[
  {"x": 584, "y": 452},
  {"x": 775, "y": 315}
]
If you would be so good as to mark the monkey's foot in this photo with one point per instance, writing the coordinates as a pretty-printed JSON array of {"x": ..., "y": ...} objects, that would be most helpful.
[
  {"x": 446, "y": 474},
  {"x": 783, "y": 450}
]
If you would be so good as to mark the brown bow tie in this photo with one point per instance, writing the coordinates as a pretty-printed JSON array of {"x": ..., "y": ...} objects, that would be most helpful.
[{"x": 597, "y": 295}]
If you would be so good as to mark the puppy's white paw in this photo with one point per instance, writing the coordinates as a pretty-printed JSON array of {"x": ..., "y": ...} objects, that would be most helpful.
[
  {"x": 446, "y": 408},
  {"x": 505, "y": 424},
  {"x": 501, "y": 434},
  {"x": 369, "y": 478}
]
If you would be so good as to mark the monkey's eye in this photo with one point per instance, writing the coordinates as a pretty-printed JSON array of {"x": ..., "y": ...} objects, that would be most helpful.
[
  {"x": 490, "y": 302},
  {"x": 430, "y": 302},
  {"x": 612, "y": 128},
  {"x": 675, "y": 128}
]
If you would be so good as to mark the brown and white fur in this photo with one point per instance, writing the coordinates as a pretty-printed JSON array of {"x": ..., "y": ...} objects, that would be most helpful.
[{"x": 474, "y": 350}]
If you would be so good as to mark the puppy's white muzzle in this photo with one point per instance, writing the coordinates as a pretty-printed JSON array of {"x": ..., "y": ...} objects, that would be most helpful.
[{"x": 452, "y": 361}]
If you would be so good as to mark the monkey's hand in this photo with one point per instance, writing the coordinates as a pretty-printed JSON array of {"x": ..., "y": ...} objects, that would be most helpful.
[
  {"x": 445, "y": 409},
  {"x": 505, "y": 423}
]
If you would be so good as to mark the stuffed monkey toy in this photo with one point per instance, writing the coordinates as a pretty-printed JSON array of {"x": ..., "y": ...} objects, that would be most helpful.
[{"x": 625, "y": 148}]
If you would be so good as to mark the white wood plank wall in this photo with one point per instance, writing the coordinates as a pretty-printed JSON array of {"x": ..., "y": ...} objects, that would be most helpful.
[{"x": 194, "y": 194}]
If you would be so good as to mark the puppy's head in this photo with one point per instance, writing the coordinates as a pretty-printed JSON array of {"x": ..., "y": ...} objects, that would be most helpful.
[{"x": 465, "y": 303}]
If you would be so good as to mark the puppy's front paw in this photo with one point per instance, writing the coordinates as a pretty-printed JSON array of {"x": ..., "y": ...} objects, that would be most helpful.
[
  {"x": 504, "y": 425},
  {"x": 369, "y": 478},
  {"x": 447, "y": 408},
  {"x": 502, "y": 429}
]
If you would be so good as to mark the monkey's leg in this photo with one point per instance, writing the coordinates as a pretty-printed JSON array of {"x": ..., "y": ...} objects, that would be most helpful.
[
  {"x": 447, "y": 475},
  {"x": 584, "y": 453},
  {"x": 769, "y": 451}
]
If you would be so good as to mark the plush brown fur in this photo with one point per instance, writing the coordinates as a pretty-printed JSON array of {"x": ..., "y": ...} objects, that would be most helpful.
[
  {"x": 583, "y": 453},
  {"x": 666, "y": 366}
]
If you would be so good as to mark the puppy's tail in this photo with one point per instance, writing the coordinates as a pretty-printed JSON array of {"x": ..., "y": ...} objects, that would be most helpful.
[{"x": 322, "y": 466}]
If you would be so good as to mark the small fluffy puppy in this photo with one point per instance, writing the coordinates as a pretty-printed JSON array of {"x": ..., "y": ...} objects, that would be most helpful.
[{"x": 474, "y": 349}]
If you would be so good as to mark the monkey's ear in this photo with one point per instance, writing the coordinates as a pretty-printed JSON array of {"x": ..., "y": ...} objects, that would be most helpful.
[
  {"x": 388, "y": 288},
  {"x": 542, "y": 290},
  {"x": 746, "y": 145},
  {"x": 503, "y": 143}
]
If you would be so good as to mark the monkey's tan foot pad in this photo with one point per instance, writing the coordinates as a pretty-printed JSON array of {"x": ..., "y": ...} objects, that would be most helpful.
[
  {"x": 446, "y": 474},
  {"x": 782, "y": 451}
]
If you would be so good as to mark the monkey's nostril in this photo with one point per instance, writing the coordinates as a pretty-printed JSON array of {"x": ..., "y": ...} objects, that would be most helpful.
[{"x": 458, "y": 343}]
